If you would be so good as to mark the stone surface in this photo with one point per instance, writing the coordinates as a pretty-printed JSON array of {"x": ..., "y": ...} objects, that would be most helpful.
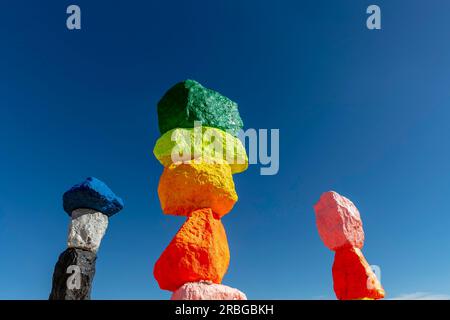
[
  {"x": 187, "y": 187},
  {"x": 85, "y": 261},
  {"x": 207, "y": 143},
  {"x": 353, "y": 277},
  {"x": 87, "y": 229},
  {"x": 199, "y": 251},
  {"x": 92, "y": 194},
  {"x": 206, "y": 290},
  {"x": 189, "y": 101},
  {"x": 338, "y": 221}
]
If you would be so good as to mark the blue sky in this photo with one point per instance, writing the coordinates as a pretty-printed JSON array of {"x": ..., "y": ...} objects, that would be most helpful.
[{"x": 365, "y": 113}]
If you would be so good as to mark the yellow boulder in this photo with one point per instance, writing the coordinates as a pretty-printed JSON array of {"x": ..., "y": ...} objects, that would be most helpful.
[{"x": 209, "y": 144}]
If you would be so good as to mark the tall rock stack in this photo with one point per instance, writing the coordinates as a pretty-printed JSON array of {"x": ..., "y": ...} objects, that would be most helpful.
[
  {"x": 89, "y": 204},
  {"x": 200, "y": 151},
  {"x": 340, "y": 228}
]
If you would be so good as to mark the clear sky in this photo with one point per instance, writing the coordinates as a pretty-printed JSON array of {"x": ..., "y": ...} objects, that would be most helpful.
[{"x": 365, "y": 113}]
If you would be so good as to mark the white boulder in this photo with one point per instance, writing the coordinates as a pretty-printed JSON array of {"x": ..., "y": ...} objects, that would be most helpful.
[{"x": 87, "y": 229}]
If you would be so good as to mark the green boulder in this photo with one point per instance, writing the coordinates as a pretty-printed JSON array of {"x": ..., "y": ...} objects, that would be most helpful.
[{"x": 189, "y": 101}]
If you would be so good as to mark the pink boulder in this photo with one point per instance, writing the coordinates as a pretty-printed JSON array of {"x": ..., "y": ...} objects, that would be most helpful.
[
  {"x": 206, "y": 290},
  {"x": 338, "y": 222}
]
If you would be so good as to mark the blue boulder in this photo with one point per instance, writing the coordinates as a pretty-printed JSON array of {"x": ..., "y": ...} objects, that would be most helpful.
[{"x": 92, "y": 194}]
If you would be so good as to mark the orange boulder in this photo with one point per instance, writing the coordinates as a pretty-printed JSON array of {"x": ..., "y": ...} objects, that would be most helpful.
[
  {"x": 353, "y": 277},
  {"x": 199, "y": 251},
  {"x": 189, "y": 186}
]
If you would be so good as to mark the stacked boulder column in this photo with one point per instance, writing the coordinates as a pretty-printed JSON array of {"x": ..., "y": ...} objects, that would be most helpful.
[
  {"x": 89, "y": 204},
  {"x": 200, "y": 152},
  {"x": 340, "y": 228}
]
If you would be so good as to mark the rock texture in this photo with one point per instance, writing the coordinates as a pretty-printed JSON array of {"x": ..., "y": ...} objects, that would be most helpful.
[
  {"x": 189, "y": 186},
  {"x": 353, "y": 277},
  {"x": 338, "y": 221},
  {"x": 199, "y": 251},
  {"x": 206, "y": 290},
  {"x": 83, "y": 259},
  {"x": 87, "y": 229},
  {"x": 207, "y": 143},
  {"x": 189, "y": 101},
  {"x": 92, "y": 194}
]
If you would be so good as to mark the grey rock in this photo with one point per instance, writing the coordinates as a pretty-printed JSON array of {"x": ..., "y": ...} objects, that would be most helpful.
[{"x": 73, "y": 275}]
